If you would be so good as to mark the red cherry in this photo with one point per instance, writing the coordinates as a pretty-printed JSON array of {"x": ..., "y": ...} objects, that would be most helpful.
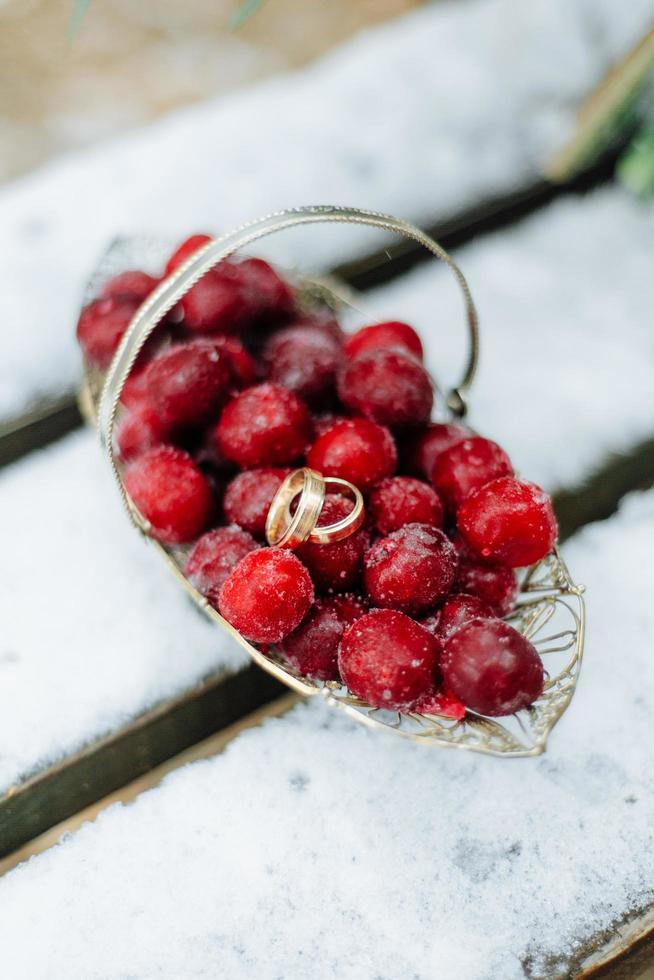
[
  {"x": 313, "y": 647},
  {"x": 304, "y": 360},
  {"x": 387, "y": 386},
  {"x": 412, "y": 569},
  {"x": 422, "y": 448},
  {"x": 356, "y": 450},
  {"x": 265, "y": 290},
  {"x": 324, "y": 321},
  {"x": 140, "y": 429},
  {"x": 248, "y": 498},
  {"x": 388, "y": 660},
  {"x": 185, "y": 251},
  {"x": 495, "y": 585},
  {"x": 135, "y": 389},
  {"x": 135, "y": 284},
  {"x": 466, "y": 466},
  {"x": 324, "y": 421},
  {"x": 334, "y": 567},
  {"x": 440, "y": 702},
  {"x": 267, "y": 595},
  {"x": 243, "y": 368},
  {"x": 188, "y": 383},
  {"x": 213, "y": 558},
  {"x": 509, "y": 522},
  {"x": 455, "y": 612},
  {"x": 217, "y": 303},
  {"x": 391, "y": 333},
  {"x": 171, "y": 493},
  {"x": 492, "y": 667},
  {"x": 101, "y": 327},
  {"x": 264, "y": 426},
  {"x": 401, "y": 500}
]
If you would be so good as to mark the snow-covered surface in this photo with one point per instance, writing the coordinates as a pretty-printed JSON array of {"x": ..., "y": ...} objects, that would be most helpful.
[
  {"x": 567, "y": 348},
  {"x": 315, "y": 848},
  {"x": 94, "y": 628},
  {"x": 445, "y": 107}
]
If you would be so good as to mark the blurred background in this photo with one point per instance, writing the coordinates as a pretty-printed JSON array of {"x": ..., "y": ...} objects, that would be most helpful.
[{"x": 71, "y": 74}]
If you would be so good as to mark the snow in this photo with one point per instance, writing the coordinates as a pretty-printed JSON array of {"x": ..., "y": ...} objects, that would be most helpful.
[
  {"x": 565, "y": 301},
  {"x": 315, "y": 848},
  {"x": 448, "y": 106},
  {"x": 94, "y": 627}
]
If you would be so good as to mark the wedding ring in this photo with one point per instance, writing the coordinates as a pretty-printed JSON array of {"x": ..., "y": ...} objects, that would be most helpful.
[{"x": 287, "y": 529}]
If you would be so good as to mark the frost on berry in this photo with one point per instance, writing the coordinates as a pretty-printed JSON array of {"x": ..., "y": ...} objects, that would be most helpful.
[
  {"x": 214, "y": 556},
  {"x": 387, "y": 386},
  {"x": 267, "y": 595},
  {"x": 388, "y": 660},
  {"x": 411, "y": 569}
]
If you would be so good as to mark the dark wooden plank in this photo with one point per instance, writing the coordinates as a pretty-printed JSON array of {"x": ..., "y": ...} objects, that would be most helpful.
[
  {"x": 38, "y": 428},
  {"x": 51, "y": 420},
  {"x": 56, "y": 793}
]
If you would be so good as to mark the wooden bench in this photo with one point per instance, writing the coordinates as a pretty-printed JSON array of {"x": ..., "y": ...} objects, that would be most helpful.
[{"x": 127, "y": 693}]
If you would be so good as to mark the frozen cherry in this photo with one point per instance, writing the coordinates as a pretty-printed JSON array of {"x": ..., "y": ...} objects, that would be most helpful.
[
  {"x": 305, "y": 360},
  {"x": 185, "y": 251},
  {"x": 188, "y": 383},
  {"x": 324, "y": 421},
  {"x": 101, "y": 327},
  {"x": 388, "y": 659},
  {"x": 356, "y": 450},
  {"x": 336, "y": 566},
  {"x": 492, "y": 667},
  {"x": 456, "y": 611},
  {"x": 495, "y": 585},
  {"x": 266, "y": 425},
  {"x": 248, "y": 498},
  {"x": 466, "y": 466},
  {"x": 412, "y": 569},
  {"x": 387, "y": 386},
  {"x": 391, "y": 333},
  {"x": 313, "y": 647},
  {"x": 508, "y": 521},
  {"x": 442, "y": 702},
  {"x": 217, "y": 303},
  {"x": 421, "y": 449},
  {"x": 324, "y": 321},
  {"x": 213, "y": 558},
  {"x": 133, "y": 283},
  {"x": 243, "y": 367},
  {"x": 140, "y": 429},
  {"x": 266, "y": 292},
  {"x": 171, "y": 493},
  {"x": 267, "y": 595},
  {"x": 401, "y": 500}
]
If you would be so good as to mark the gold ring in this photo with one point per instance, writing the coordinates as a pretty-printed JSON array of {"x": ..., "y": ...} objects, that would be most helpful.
[{"x": 289, "y": 530}]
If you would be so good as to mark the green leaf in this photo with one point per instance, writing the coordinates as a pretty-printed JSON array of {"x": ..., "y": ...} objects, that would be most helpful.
[
  {"x": 77, "y": 16},
  {"x": 636, "y": 165},
  {"x": 247, "y": 9}
]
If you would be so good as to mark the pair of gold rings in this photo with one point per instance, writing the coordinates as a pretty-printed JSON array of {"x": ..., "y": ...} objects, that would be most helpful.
[{"x": 289, "y": 529}]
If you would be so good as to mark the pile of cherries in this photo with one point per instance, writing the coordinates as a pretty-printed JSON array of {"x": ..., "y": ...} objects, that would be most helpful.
[{"x": 238, "y": 387}]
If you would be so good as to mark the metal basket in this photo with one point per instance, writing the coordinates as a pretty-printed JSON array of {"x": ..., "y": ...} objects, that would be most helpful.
[{"x": 550, "y": 608}]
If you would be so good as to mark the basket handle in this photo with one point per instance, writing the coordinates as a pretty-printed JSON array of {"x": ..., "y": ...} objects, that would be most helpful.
[{"x": 174, "y": 287}]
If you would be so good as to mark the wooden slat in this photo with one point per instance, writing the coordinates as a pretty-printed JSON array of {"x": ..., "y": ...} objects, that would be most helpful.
[
  {"x": 58, "y": 792},
  {"x": 52, "y": 419}
]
